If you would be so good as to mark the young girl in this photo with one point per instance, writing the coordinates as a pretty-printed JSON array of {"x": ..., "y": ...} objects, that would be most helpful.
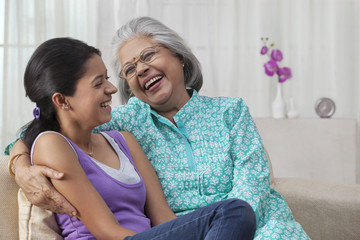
[{"x": 107, "y": 177}]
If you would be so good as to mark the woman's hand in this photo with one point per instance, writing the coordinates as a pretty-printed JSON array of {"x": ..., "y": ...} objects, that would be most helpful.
[{"x": 34, "y": 181}]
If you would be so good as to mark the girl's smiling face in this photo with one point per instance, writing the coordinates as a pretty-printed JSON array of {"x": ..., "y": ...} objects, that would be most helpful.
[{"x": 91, "y": 101}]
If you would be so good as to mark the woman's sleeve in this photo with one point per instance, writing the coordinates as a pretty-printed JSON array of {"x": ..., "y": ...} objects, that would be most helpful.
[
  {"x": 11, "y": 144},
  {"x": 251, "y": 174}
]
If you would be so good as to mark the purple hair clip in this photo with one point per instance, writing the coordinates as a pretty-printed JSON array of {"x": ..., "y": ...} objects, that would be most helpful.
[{"x": 36, "y": 112}]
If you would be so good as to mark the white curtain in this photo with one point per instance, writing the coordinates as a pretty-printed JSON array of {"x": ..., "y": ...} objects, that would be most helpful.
[
  {"x": 27, "y": 23},
  {"x": 319, "y": 40}
]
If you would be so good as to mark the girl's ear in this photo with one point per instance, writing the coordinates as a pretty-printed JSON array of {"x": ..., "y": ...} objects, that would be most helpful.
[{"x": 60, "y": 101}]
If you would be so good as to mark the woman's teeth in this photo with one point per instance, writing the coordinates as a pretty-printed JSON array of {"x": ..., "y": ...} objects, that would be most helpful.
[
  {"x": 107, "y": 104},
  {"x": 151, "y": 81}
]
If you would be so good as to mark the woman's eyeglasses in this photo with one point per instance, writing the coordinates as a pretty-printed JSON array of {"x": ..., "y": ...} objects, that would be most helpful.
[{"x": 147, "y": 55}]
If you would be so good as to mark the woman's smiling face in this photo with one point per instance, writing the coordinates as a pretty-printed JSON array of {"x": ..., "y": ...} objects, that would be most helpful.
[{"x": 159, "y": 83}]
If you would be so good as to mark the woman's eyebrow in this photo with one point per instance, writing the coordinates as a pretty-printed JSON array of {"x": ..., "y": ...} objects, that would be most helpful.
[{"x": 97, "y": 77}]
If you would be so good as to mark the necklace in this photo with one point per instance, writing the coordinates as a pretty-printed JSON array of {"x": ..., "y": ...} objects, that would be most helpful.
[{"x": 91, "y": 154}]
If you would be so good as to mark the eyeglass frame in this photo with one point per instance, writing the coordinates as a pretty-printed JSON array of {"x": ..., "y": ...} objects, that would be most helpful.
[{"x": 137, "y": 59}]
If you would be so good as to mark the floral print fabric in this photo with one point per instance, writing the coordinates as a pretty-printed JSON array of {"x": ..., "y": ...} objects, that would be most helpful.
[{"x": 214, "y": 153}]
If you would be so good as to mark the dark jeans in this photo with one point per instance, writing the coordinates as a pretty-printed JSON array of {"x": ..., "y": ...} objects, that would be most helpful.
[{"x": 228, "y": 219}]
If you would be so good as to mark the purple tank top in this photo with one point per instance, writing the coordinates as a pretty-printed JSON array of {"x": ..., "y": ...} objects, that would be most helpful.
[{"x": 126, "y": 201}]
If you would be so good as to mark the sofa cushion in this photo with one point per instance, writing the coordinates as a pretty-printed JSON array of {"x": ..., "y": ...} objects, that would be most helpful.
[
  {"x": 8, "y": 206},
  {"x": 34, "y": 222},
  {"x": 326, "y": 210}
]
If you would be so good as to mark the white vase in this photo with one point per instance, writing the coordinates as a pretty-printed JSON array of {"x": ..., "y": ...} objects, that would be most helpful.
[
  {"x": 278, "y": 105},
  {"x": 292, "y": 112}
]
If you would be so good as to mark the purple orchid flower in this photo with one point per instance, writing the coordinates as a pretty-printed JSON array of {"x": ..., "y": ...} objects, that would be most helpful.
[
  {"x": 264, "y": 50},
  {"x": 276, "y": 55},
  {"x": 284, "y": 74},
  {"x": 271, "y": 68},
  {"x": 273, "y": 65}
]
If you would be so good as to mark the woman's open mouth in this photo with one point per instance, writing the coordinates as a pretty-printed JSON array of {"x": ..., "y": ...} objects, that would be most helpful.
[
  {"x": 106, "y": 104},
  {"x": 152, "y": 82}
]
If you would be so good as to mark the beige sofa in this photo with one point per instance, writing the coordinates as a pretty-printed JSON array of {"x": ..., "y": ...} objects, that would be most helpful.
[{"x": 325, "y": 210}]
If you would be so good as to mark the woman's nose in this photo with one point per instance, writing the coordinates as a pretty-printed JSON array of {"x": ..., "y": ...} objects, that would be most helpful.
[
  {"x": 142, "y": 69},
  {"x": 110, "y": 89}
]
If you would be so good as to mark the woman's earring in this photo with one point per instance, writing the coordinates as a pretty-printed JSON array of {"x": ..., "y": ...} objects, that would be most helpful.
[
  {"x": 183, "y": 65},
  {"x": 66, "y": 107}
]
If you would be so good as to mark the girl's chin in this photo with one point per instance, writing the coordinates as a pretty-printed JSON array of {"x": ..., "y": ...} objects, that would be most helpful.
[
  {"x": 106, "y": 119},
  {"x": 103, "y": 122}
]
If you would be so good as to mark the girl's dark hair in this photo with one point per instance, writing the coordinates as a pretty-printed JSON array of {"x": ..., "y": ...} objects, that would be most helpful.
[{"x": 55, "y": 66}]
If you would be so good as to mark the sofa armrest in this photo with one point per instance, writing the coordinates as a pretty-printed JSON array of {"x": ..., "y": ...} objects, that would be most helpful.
[
  {"x": 8, "y": 203},
  {"x": 326, "y": 210}
]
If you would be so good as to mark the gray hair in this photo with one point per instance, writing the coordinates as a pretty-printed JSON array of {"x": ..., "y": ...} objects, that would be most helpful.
[{"x": 158, "y": 32}]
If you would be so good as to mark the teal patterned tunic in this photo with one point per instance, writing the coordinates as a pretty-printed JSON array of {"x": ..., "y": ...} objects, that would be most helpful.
[{"x": 214, "y": 153}]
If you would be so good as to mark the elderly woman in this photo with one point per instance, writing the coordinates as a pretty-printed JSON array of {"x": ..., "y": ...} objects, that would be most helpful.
[{"x": 203, "y": 149}]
